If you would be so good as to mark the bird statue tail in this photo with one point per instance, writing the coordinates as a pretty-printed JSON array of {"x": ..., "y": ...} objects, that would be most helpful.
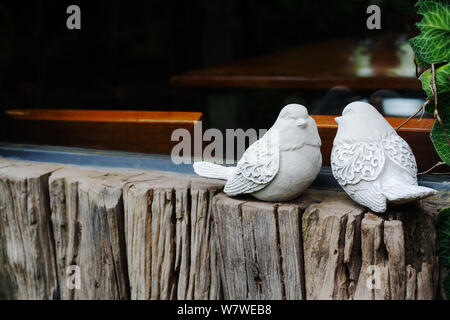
[
  {"x": 402, "y": 192},
  {"x": 211, "y": 170}
]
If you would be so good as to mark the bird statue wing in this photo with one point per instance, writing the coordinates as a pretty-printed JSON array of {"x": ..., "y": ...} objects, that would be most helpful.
[
  {"x": 397, "y": 150},
  {"x": 257, "y": 167},
  {"x": 353, "y": 162},
  {"x": 368, "y": 194},
  {"x": 355, "y": 166}
]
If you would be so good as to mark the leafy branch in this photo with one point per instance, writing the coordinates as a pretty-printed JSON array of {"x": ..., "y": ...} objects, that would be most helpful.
[
  {"x": 432, "y": 53},
  {"x": 432, "y": 48},
  {"x": 436, "y": 112}
]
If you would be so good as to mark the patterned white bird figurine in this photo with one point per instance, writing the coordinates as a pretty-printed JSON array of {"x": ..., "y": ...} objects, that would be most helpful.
[
  {"x": 280, "y": 165},
  {"x": 371, "y": 162}
]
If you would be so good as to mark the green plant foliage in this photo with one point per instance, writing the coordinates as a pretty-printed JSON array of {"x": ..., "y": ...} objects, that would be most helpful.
[
  {"x": 437, "y": 134},
  {"x": 422, "y": 63},
  {"x": 432, "y": 45},
  {"x": 443, "y": 235},
  {"x": 442, "y": 81},
  {"x": 438, "y": 137},
  {"x": 443, "y": 92}
]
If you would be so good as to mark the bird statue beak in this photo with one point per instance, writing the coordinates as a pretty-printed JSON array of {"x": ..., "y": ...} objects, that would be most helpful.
[
  {"x": 300, "y": 122},
  {"x": 337, "y": 119}
]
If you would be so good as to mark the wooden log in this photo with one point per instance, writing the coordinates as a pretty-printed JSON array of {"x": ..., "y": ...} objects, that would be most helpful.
[
  {"x": 27, "y": 262},
  {"x": 329, "y": 249},
  {"x": 85, "y": 222},
  {"x": 204, "y": 277},
  {"x": 157, "y": 235},
  {"x": 393, "y": 255},
  {"x": 259, "y": 247},
  {"x": 87, "y": 219},
  {"x": 289, "y": 224},
  {"x": 66, "y": 222},
  {"x": 4, "y": 163},
  {"x": 170, "y": 239}
]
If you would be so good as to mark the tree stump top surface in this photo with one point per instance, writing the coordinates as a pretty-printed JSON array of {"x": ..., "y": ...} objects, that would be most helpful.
[{"x": 160, "y": 235}]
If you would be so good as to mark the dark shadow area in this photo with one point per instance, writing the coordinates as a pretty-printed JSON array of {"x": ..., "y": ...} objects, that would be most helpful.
[{"x": 126, "y": 52}]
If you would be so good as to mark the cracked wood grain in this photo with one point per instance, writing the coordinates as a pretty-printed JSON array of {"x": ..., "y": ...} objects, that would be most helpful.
[
  {"x": 178, "y": 259},
  {"x": 259, "y": 248},
  {"x": 27, "y": 259},
  {"x": 157, "y": 235},
  {"x": 87, "y": 220},
  {"x": 353, "y": 254}
]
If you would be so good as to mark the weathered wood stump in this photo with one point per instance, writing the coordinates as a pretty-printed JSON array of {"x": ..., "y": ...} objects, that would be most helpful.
[
  {"x": 354, "y": 254},
  {"x": 27, "y": 260},
  {"x": 151, "y": 235},
  {"x": 333, "y": 251},
  {"x": 260, "y": 248},
  {"x": 88, "y": 224},
  {"x": 170, "y": 239}
]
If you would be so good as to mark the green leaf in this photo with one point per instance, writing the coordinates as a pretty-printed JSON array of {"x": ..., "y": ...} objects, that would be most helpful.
[
  {"x": 442, "y": 81},
  {"x": 443, "y": 236},
  {"x": 421, "y": 3},
  {"x": 432, "y": 45},
  {"x": 442, "y": 86},
  {"x": 422, "y": 63},
  {"x": 437, "y": 134}
]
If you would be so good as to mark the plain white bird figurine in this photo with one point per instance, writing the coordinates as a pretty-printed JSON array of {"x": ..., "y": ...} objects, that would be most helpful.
[
  {"x": 371, "y": 162},
  {"x": 280, "y": 165}
]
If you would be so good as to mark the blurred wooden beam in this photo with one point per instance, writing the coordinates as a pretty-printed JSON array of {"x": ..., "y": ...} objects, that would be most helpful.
[
  {"x": 150, "y": 131},
  {"x": 319, "y": 65},
  {"x": 134, "y": 131}
]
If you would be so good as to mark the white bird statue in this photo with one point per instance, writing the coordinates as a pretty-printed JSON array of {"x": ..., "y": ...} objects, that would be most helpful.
[
  {"x": 371, "y": 162},
  {"x": 280, "y": 165}
]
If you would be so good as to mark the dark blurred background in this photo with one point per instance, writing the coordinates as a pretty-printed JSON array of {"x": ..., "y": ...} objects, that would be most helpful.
[{"x": 125, "y": 53}]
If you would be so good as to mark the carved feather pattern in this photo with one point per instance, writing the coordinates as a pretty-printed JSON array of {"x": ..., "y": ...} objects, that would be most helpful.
[
  {"x": 356, "y": 161},
  {"x": 399, "y": 151},
  {"x": 257, "y": 168},
  {"x": 353, "y": 162}
]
